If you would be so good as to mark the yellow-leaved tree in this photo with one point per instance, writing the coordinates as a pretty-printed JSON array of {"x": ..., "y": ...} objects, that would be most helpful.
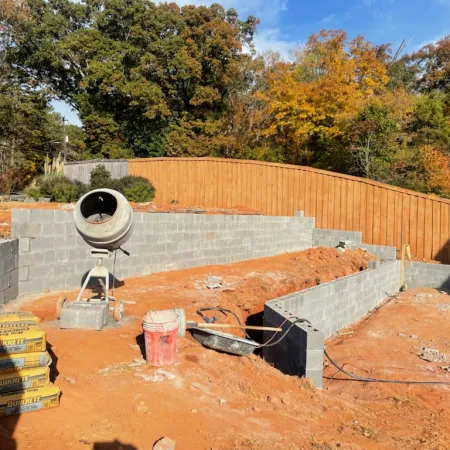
[{"x": 328, "y": 83}]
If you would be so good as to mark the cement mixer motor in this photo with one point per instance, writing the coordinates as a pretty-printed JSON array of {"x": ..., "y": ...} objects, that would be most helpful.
[{"x": 104, "y": 219}]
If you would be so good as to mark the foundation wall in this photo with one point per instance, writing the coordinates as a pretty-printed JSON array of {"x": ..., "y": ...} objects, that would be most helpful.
[
  {"x": 9, "y": 270},
  {"x": 329, "y": 307},
  {"x": 353, "y": 239},
  {"x": 53, "y": 256},
  {"x": 419, "y": 274}
]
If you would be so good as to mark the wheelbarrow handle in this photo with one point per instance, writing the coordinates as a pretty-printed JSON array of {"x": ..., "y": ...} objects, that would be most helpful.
[{"x": 190, "y": 324}]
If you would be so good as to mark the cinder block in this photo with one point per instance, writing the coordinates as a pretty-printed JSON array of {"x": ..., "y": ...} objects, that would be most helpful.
[
  {"x": 13, "y": 277},
  {"x": 43, "y": 272},
  {"x": 31, "y": 259},
  {"x": 11, "y": 293},
  {"x": 42, "y": 244},
  {"x": 53, "y": 230},
  {"x": 63, "y": 216},
  {"x": 24, "y": 245},
  {"x": 20, "y": 215},
  {"x": 30, "y": 287},
  {"x": 42, "y": 216},
  {"x": 23, "y": 274}
]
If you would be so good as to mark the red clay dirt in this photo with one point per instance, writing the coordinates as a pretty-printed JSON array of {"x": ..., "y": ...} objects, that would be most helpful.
[
  {"x": 6, "y": 207},
  {"x": 222, "y": 402}
]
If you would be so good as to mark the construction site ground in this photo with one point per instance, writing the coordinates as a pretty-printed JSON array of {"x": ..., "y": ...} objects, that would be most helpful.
[{"x": 211, "y": 400}]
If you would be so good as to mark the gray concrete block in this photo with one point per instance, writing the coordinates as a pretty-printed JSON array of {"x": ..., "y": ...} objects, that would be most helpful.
[
  {"x": 20, "y": 215},
  {"x": 53, "y": 230},
  {"x": 84, "y": 315},
  {"x": 23, "y": 274},
  {"x": 42, "y": 216},
  {"x": 63, "y": 216},
  {"x": 11, "y": 293},
  {"x": 41, "y": 272},
  {"x": 30, "y": 287},
  {"x": 24, "y": 245},
  {"x": 42, "y": 244}
]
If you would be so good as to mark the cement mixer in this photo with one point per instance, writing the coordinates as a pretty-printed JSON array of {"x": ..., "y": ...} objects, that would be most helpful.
[{"x": 104, "y": 219}]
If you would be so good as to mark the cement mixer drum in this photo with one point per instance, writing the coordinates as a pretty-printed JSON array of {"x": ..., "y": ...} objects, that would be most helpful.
[{"x": 104, "y": 219}]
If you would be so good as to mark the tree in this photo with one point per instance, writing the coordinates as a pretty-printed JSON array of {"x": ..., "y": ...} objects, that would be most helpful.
[
  {"x": 432, "y": 66},
  {"x": 328, "y": 83},
  {"x": 142, "y": 76}
]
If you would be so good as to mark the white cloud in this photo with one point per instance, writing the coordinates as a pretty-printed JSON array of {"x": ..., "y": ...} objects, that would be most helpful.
[
  {"x": 437, "y": 38},
  {"x": 273, "y": 39},
  {"x": 328, "y": 19}
]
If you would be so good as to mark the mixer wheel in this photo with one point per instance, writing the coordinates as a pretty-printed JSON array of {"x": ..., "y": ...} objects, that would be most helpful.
[
  {"x": 118, "y": 310},
  {"x": 60, "y": 304}
]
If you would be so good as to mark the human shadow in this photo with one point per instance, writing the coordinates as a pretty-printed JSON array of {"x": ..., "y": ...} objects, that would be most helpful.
[{"x": 113, "y": 445}]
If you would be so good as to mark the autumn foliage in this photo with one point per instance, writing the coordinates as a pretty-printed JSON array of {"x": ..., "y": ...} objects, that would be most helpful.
[{"x": 156, "y": 79}]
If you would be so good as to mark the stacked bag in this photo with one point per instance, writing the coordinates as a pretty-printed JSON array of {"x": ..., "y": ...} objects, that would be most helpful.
[{"x": 24, "y": 366}]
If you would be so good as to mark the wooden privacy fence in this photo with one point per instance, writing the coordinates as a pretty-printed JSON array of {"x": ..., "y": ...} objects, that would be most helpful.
[
  {"x": 81, "y": 170},
  {"x": 386, "y": 215}
]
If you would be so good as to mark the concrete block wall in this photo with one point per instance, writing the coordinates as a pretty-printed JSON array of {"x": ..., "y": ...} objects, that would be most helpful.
[
  {"x": 329, "y": 307},
  {"x": 53, "y": 256},
  {"x": 9, "y": 270},
  {"x": 331, "y": 238},
  {"x": 418, "y": 274}
]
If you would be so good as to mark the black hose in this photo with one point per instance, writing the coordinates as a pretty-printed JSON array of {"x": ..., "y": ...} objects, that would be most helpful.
[
  {"x": 375, "y": 380},
  {"x": 350, "y": 374},
  {"x": 285, "y": 333},
  {"x": 223, "y": 311}
]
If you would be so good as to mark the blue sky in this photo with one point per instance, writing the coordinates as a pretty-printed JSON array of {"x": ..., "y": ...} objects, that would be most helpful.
[{"x": 286, "y": 24}]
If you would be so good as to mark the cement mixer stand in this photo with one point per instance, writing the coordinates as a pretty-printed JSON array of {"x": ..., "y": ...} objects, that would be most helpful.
[{"x": 90, "y": 313}]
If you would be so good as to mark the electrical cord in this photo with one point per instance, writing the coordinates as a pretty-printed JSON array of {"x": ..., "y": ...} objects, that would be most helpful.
[
  {"x": 224, "y": 311},
  {"x": 353, "y": 376},
  {"x": 269, "y": 343}
]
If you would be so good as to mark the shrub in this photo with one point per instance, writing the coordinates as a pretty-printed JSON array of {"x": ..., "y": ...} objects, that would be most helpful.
[
  {"x": 129, "y": 182},
  {"x": 135, "y": 189},
  {"x": 139, "y": 192},
  {"x": 100, "y": 177},
  {"x": 65, "y": 192},
  {"x": 33, "y": 192},
  {"x": 46, "y": 183},
  {"x": 59, "y": 188},
  {"x": 81, "y": 188}
]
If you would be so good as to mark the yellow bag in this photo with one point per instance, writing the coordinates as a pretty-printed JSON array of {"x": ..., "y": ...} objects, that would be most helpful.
[
  {"x": 22, "y": 339},
  {"x": 13, "y": 363},
  {"x": 24, "y": 317},
  {"x": 24, "y": 379},
  {"x": 29, "y": 400}
]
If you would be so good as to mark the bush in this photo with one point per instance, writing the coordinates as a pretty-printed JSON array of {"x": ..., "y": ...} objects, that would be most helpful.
[
  {"x": 33, "y": 192},
  {"x": 58, "y": 188},
  {"x": 100, "y": 178},
  {"x": 139, "y": 192},
  {"x": 65, "y": 192},
  {"x": 135, "y": 189},
  {"x": 81, "y": 188}
]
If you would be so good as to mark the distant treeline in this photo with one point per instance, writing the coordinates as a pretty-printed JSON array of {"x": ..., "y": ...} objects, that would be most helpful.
[{"x": 161, "y": 80}]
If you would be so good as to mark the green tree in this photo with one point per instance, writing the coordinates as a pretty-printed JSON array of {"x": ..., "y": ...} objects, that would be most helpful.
[{"x": 143, "y": 77}]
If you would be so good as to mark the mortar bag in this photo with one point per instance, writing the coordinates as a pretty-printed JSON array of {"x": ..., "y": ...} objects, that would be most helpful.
[
  {"x": 29, "y": 400},
  {"x": 23, "y": 317},
  {"x": 22, "y": 340},
  {"x": 24, "y": 379},
  {"x": 16, "y": 362}
]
